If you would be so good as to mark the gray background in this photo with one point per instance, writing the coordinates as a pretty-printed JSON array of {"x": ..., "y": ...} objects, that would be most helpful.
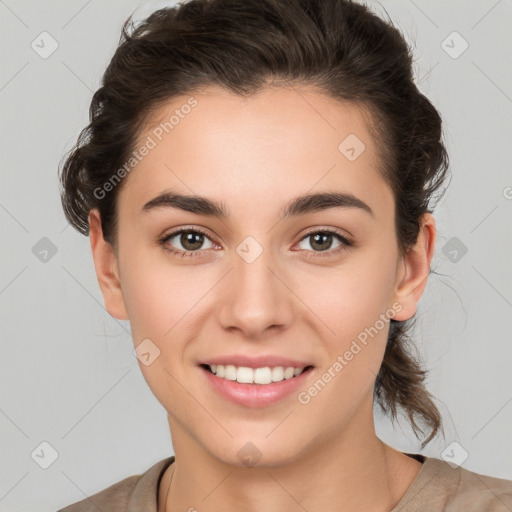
[{"x": 68, "y": 372}]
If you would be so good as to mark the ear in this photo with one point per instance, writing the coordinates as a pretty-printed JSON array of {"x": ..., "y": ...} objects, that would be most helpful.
[
  {"x": 414, "y": 268},
  {"x": 107, "y": 270}
]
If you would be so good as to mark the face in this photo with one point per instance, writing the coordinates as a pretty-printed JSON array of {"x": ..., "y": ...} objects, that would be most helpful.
[{"x": 250, "y": 292}]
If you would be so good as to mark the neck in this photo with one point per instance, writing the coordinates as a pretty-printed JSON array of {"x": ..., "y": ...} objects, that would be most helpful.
[{"x": 354, "y": 470}]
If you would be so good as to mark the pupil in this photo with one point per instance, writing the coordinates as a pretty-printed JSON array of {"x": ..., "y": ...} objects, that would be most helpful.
[
  {"x": 187, "y": 240},
  {"x": 321, "y": 235}
]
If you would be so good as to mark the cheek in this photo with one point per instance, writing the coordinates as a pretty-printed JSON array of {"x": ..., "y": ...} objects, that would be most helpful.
[
  {"x": 157, "y": 306},
  {"x": 351, "y": 305},
  {"x": 157, "y": 294},
  {"x": 353, "y": 301},
  {"x": 350, "y": 297}
]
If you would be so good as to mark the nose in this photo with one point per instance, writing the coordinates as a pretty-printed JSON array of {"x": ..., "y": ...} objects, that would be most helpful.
[{"x": 256, "y": 299}]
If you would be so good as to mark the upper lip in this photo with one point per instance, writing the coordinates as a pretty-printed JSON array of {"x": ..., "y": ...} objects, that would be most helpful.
[{"x": 256, "y": 361}]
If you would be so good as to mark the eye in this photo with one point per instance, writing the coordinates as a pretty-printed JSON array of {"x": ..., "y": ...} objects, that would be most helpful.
[
  {"x": 322, "y": 241},
  {"x": 191, "y": 240}
]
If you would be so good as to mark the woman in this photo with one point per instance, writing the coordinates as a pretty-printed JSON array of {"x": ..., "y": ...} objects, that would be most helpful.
[{"x": 258, "y": 181}]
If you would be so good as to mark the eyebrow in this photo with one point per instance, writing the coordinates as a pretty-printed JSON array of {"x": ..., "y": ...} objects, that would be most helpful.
[{"x": 301, "y": 205}]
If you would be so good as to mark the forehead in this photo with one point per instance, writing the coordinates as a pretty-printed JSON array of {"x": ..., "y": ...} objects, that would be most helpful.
[{"x": 279, "y": 141}]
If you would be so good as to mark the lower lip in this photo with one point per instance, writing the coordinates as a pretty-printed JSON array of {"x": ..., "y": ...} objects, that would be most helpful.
[{"x": 255, "y": 396}]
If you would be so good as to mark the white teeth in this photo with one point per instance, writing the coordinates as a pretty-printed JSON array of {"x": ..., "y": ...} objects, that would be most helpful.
[
  {"x": 288, "y": 373},
  {"x": 277, "y": 374},
  {"x": 230, "y": 372},
  {"x": 263, "y": 375},
  {"x": 245, "y": 375}
]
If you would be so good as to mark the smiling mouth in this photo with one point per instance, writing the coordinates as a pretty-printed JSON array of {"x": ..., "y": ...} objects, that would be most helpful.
[{"x": 261, "y": 376}]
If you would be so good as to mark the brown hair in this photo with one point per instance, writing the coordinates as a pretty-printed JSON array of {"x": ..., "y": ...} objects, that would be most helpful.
[{"x": 337, "y": 46}]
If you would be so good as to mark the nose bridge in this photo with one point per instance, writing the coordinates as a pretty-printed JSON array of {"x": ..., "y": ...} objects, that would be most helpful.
[{"x": 256, "y": 298}]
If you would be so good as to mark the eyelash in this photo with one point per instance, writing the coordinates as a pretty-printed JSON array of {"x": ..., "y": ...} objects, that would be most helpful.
[{"x": 190, "y": 254}]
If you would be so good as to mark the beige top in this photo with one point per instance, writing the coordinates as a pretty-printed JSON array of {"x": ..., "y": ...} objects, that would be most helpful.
[{"x": 437, "y": 487}]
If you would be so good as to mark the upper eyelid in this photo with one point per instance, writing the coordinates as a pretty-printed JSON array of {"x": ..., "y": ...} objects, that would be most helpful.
[{"x": 178, "y": 231}]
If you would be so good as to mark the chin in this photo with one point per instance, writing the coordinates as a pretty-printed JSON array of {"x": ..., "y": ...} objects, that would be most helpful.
[{"x": 252, "y": 451}]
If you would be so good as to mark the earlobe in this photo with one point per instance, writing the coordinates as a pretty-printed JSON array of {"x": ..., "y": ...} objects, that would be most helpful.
[
  {"x": 107, "y": 271},
  {"x": 414, "y": 269}
]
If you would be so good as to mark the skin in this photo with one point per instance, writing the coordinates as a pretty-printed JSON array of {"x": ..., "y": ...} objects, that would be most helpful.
[{"x": 255, "y": 155}]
